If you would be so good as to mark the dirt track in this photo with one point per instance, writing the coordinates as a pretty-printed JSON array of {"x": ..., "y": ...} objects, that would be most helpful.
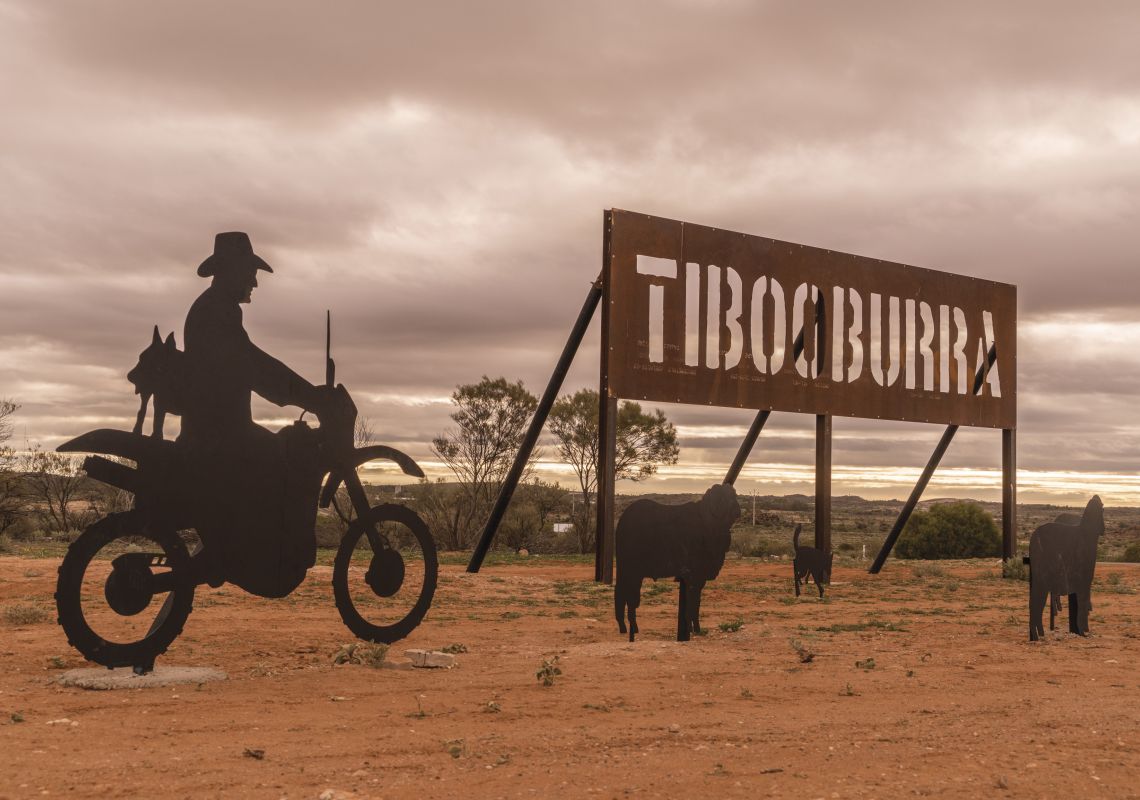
[{"x": 956, "y": 704}]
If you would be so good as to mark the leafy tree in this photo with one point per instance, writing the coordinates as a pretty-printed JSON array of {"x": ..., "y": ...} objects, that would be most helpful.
[
  {"x": 491, "y": 419},
  {"x": 644, "y": 442},
  {"x": 7, "y": 410},
  {"x": 11, "y": 503},
  {"x": 950, "y": 530}
]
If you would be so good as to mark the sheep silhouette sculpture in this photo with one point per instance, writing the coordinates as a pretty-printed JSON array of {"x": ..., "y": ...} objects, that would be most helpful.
[
  {"x": 1062, "y": 558},
  {"x": 686, "y": 542}
]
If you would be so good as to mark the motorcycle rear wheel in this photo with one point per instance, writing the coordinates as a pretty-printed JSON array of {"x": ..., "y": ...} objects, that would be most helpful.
[
  {"x": 383, "y": 627},
  {"x": 178, "y": 602}
]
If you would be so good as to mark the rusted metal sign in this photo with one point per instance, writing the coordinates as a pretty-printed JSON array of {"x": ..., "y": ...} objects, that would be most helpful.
[{"x": 706, "y": 316}]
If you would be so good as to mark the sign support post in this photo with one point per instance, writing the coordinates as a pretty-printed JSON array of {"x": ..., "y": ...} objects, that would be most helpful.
[
  {"x": 607, "y": 445},
  {"x": 823, "y": 482},
  {"x": 1008, "y": 493},
  {"x": 607, "y": 429}
]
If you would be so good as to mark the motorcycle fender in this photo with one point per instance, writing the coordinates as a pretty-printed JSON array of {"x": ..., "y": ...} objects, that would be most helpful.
[
  {"x": 364, "y": 455},
  {"x": 134, "y": 446},
  {"x": 372, "y": 452}
]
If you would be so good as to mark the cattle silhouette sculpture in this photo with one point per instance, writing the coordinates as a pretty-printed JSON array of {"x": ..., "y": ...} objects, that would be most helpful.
[
  {"x": 1062, "y": 558},
  {"x": 685, "y": 542},
  {"x": 810, "y": 562}
]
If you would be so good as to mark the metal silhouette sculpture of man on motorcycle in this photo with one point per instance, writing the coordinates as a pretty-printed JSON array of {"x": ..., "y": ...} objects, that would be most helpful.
[{"x": 245, "y": 497}]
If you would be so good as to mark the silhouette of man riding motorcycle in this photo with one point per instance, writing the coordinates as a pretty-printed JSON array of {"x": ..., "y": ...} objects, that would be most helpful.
[
  {"x": 250, "y": 495},
  {"x": 261, "y": 480}
]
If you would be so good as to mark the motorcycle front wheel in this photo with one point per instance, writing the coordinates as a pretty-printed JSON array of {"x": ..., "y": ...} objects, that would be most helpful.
[
  {"x": 101, "y": 611},
  {"x": 385, "y": 574}
]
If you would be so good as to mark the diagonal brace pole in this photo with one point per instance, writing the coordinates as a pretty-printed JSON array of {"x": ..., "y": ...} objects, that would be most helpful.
[
  {"x": 537, "y": 421},
  {"x": 927, "y": 473}
]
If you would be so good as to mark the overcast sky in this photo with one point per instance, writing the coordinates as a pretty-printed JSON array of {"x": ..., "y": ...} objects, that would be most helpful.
[{"x": 436, "y": 173}]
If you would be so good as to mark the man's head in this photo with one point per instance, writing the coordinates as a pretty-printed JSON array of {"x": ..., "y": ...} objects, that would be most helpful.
[{"x": 234, "y": 266}]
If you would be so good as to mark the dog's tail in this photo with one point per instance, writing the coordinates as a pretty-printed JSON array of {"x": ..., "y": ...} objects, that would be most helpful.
[{"x": 796, "y": 536}]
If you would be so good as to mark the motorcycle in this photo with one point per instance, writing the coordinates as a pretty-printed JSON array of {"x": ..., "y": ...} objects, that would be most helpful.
[{"x": 384, "y": 573}]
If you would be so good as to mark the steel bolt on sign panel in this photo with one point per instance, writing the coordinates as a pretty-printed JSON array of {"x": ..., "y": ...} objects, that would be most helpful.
[{"x": 706, "y": 316}]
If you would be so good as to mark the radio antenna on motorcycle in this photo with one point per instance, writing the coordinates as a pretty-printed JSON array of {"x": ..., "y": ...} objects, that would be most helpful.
[{"x": 330, "y": 366}]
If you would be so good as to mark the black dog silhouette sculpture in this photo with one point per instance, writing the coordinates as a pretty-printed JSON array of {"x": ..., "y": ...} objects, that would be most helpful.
[
  {"x": 686, "y": 542},
  {"x": 810, "y": 562},
  {"x": 1062, "y": 558},
  {"x": 161, "y": 374}
]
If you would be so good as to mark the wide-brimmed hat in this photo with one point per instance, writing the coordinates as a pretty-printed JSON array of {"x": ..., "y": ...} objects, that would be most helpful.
[{"x": 232, "y": 249}]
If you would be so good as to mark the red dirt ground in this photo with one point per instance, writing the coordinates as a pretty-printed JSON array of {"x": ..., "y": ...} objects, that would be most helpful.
[{"x": 957, "y": 703}]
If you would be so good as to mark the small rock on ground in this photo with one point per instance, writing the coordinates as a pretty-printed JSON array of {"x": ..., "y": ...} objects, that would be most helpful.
[{"x": 432, "y": 659}]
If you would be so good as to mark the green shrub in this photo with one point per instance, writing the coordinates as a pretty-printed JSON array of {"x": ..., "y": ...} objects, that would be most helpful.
[
  {"x": 929, "y": 571},
  {"x": 1131, "y": 553},
  {"x": 22, "y": 614},
  {"x": 1015, "y": 569},
  {"x": 23, "y": 530},
  {"x": 950, "y": 530},
  {"x": 750, "y": 545},
  {"x": 365, "y": 653}
]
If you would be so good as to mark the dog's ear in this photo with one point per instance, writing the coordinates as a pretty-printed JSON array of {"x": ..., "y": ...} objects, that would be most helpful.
[
  {"x": 157, "y": 337},
  {"x": 170, "y": 343}
]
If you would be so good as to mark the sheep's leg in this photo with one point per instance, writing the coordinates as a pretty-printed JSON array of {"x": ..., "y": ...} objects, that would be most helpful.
[
  {"x": 695, "y": 605},
  {"x": 683, "y": 610},
  {"x": 1036, "y": 608},
  {"x": 619, "y": 604},
  {"x": 1054, "y": 607},
  {"x": 819, "y": 585},
  {"x": 796, "y": 572},
  {"x": 1078, "y": 614},
  {"x": 632, "y": 601}
]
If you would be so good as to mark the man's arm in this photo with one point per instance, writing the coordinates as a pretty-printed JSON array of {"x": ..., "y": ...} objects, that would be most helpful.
[{"x": 278, "y": 384}]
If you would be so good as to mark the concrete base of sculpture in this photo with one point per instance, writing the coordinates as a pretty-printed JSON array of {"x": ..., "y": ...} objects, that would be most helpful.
[{"x": 125, "y": 678}]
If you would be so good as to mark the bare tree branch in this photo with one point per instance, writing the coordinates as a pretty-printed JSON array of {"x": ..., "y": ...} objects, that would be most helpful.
[{"x": 53, "y": 481}]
